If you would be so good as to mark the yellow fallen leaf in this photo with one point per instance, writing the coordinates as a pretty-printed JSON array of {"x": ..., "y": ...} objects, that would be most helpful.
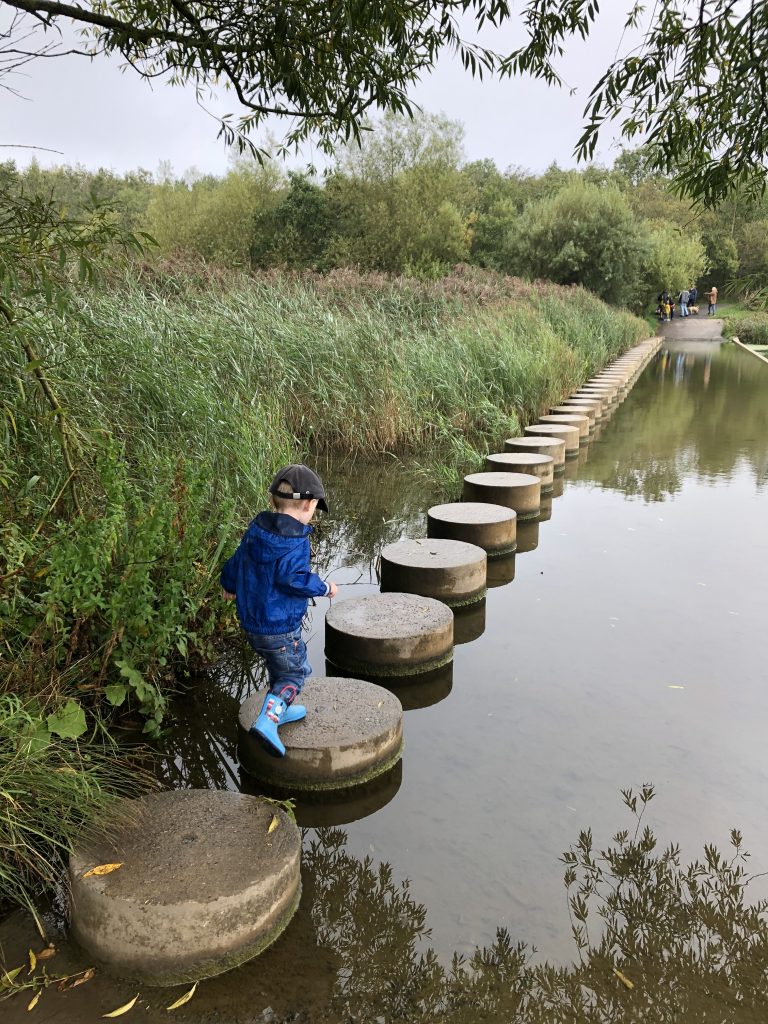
[
  {"x": 273, "y": 824},
  {"x": 47, "y": 953},
  {"x": 122, "y": 1009},
  {"x": 183, "y": 999},
  {"x": 32, "y": 962},
  {"x": 35, "y": 1000},
  {"x": 103, "y": 869},
  {"x": 380, "y": 704},
  {"x": 623, "y": 978}
]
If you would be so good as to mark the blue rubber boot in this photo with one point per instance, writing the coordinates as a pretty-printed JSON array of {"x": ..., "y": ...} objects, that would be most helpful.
[
  {"x": 272, "y": 715},
  {"x": 294, "y": 713}
]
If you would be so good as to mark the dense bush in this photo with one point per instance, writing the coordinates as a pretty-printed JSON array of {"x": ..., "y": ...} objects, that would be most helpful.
[{"x": 752, "y": 329}]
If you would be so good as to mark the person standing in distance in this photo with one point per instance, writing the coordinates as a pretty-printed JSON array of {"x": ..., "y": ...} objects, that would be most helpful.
[{"x": 270, "y": 580}]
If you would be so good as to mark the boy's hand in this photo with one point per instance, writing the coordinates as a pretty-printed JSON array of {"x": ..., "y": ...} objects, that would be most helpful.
[
  {"x": 226, "y": 595},
  {"x": 333, "y": 590}
]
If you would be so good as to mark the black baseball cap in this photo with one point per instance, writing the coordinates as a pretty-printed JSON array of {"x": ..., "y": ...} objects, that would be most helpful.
[{"x": 304, "y": 483}]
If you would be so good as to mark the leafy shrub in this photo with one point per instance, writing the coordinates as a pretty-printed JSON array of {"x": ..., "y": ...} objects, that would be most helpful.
[{"x": 753, "y": 329}]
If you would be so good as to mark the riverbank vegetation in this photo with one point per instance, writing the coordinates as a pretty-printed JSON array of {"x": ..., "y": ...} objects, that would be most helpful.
[{"x": 178, "y": 388}]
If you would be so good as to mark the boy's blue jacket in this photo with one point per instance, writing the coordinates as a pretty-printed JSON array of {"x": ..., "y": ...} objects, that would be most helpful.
[{"x": 269, "y": 575}]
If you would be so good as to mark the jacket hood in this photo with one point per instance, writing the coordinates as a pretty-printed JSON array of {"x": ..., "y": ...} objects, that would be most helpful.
[{"x": 275, "y": 534}]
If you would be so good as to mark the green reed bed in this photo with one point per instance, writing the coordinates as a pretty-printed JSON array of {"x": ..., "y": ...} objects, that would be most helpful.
[{"x": 181, "y": 394}]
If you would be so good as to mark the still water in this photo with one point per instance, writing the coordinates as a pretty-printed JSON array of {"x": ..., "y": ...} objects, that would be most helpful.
[{"x": 623, "y": 644}]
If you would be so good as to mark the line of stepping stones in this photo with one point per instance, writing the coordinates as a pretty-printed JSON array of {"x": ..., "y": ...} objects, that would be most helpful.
[{"x": 196, "y": 882}]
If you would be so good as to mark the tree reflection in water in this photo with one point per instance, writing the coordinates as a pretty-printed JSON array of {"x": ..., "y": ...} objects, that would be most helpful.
[
  {"x": 697, "y": 413},
  {"x": 675, "y": 943}
]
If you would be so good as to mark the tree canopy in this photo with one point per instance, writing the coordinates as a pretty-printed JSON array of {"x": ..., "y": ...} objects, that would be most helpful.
[{"x": 693, "y": 87}]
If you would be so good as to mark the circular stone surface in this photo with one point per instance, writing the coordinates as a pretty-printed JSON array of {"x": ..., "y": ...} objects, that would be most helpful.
[
  {"x": 352, "y": 733},
  {"x": 542, "y": 466},
  {"x": 520, "y": 491},
  {"x": 585, "y": 403},
  {"x": 388, "y": 635},
  {"x": 552, "y": 446},
  {"x": 203, "y": 887},
  {"x": 450, "y": 570},
  {"x": 572, "y": 419},
  {"x": 568, "y": 409},
  {"x": 568, "y": 434},
  {"x": 491, "y": 527}
]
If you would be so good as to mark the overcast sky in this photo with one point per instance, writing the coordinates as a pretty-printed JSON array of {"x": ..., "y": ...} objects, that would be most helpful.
[{"x": 100, "y": 116}]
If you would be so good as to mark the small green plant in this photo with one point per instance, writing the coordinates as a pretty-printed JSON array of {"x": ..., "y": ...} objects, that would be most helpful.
[{"x": 53, "y": 790}]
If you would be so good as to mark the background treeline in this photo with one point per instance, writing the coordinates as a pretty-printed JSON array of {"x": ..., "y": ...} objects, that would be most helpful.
[{"x": 409, "y": 203}]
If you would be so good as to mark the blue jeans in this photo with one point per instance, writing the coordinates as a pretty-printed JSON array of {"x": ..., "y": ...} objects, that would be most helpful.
[
  {"x": 684, "y": 309},
  {"x": 286, "y": 658}
]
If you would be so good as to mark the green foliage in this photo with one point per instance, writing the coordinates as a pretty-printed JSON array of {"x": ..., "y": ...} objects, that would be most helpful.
[
  {"x": 751, "y": 329},
  {"x": 675, "y": 260},
  {"x": 583, "y": 235},
  {"x": 53, "y": 792}
]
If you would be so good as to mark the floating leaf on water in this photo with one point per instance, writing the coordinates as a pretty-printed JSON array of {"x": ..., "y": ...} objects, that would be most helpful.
[
  {"x": 47, "y": 953},
  {"x": 34, "y": 1000},
  {"x": 32, "y": 962},
  {"x": 122, "y": 1009},
  {"x": 183, "y": 999},
  {"x": 273, "y": 824},
  {"x": 623, "y": 978},
  {"x": 103, "y": 869}
]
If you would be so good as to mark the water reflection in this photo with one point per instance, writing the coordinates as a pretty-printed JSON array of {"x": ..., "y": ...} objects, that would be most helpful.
[
  {"x": 527, "y": 535},
  {"x": 332, "y": 808},
  {"x": 372, "y": 505},
  {"x": 469, "y": 622},
  {"x": 654, "y": 941},
  {"x": 422, "y": 691},
  {"x": 675, "y": 426}
]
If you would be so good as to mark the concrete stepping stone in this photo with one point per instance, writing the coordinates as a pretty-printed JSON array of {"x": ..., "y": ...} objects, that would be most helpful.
[
  {"x": 552, "y": 446},
  {"x": 567, "y": 409},
  {"x": 452, "y": 571},
  {"x": 561, "y": 430},
  {"x": 491, "y": 527},
  {"x": 353, "y": 732},
  {"x": 518, "y": 491},
  {"x": 571, "y": 420},
  {"x": 586, "y": 403},
  {"x": 385, "y": 636},
  {"x": 542, "y": 466},
  {"x": 207, "y": 880}
]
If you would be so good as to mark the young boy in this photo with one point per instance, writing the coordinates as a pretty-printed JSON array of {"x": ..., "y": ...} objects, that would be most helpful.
[{"x": 269, "y": 577}]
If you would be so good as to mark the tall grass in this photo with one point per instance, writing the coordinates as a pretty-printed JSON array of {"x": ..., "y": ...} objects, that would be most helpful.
[{"x": 252, "y": 372}]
